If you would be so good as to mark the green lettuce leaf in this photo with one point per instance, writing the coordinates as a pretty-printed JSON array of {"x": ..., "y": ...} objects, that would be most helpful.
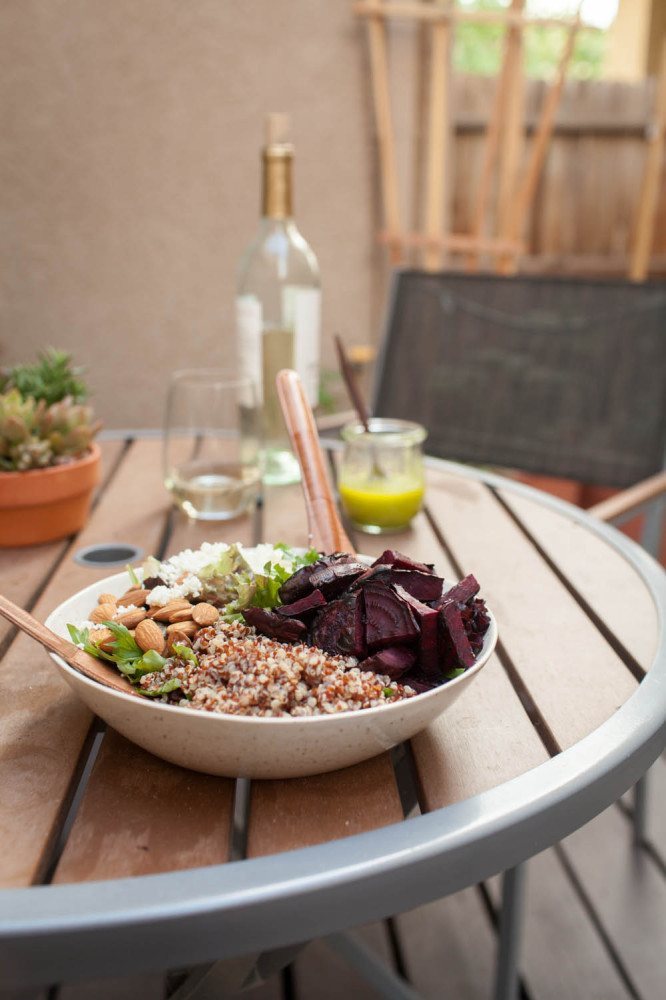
[{"x": 171, "y": 685}]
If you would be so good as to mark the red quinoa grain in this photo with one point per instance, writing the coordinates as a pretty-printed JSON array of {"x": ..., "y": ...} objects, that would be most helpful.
[{"x": 242, "y": 673}]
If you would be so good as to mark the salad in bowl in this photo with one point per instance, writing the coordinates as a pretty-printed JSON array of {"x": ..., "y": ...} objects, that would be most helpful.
[{"x": 270, "y": 662}]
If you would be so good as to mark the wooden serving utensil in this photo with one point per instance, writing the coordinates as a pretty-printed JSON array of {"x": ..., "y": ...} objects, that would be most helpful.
[
  {"x": 324, "y": 525},
  {"x": 97, "y": 670}
]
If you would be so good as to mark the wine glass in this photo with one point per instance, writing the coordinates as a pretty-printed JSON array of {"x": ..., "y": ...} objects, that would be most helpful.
[{"x": 211, "y": 443}]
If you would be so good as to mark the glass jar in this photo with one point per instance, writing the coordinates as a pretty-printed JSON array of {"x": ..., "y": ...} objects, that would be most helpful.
[{"x": 381, "y": 479}]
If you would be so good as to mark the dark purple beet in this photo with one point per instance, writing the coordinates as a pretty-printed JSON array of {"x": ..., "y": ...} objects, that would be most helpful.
[
  {"x": 461, "y": 592},
  {"x": 424, "y": 586},
  {"x": 298, "y": 585},
  {"x": 455, "y": 645},
  {"x": 306, "y": 604},
  {"x": 476, "y": 621},
  {"x": 418, "y": 682},
  {"x": 375, "y": 574},
  {"x": 152, "y": 581},
  {"x": 338, "y": 628},
  {"x": 332, "y": 580},
  {"x": 390, "y": 557},
  {"x": 428, "y": 622},
  {"x": 388, "y": 620},
  {"x": 393, "y": 662},
  {"x": 273, "y": 626}
]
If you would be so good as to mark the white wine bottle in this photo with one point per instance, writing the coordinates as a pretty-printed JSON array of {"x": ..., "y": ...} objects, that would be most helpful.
[{"x": 278, "y": 307}]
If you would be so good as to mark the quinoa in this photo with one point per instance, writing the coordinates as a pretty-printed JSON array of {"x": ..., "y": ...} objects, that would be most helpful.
[{"x": 242, "y": 673}]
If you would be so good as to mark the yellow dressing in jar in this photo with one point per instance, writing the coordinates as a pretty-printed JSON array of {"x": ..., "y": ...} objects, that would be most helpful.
[{"x": 381, "y": 480}]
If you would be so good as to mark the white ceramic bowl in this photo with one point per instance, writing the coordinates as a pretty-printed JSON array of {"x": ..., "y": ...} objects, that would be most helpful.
[{"x": 250, "y": 747}]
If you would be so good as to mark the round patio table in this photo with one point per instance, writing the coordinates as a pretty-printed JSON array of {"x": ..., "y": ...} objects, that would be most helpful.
[{"x": 115, "y": 862}]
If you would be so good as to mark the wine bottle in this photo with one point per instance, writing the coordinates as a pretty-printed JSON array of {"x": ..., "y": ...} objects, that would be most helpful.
[{"x": 279, "y": 304}]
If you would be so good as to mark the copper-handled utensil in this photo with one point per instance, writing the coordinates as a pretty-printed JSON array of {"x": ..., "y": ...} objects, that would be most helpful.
[
  {"x": 97, "y": 670},
  {"x": 324, "y": 525}
]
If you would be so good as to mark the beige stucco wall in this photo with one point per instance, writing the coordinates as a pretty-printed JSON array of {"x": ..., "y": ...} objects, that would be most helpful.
[{"x": 129, "y": 178}]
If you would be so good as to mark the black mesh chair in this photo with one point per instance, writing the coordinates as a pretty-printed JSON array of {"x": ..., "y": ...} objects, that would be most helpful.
[
  {"x": 560, "y": 377},
  {"x": 555, "y": 376}
]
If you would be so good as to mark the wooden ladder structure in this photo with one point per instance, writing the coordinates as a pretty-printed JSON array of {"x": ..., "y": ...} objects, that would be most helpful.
[{"x": 505, "y": 166}]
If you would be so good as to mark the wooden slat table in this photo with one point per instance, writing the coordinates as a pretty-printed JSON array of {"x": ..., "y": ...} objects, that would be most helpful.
[{"x": 115, "y": 862}]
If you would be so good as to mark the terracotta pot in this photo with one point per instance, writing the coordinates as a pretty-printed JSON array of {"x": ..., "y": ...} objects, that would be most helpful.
[{"x": 44, "y": 504}]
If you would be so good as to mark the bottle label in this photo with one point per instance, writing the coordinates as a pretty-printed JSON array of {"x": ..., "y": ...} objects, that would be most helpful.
[
  {"x": 249, "y": 329},
  {"x": 302, "y": 306}
]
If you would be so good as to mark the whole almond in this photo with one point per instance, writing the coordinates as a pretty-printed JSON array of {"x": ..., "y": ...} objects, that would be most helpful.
[
  {"x": 184, "y": 615},
  {"x": 102, "y": 637},
  {"x": 130, "y": 619},
  {"x": 187, "y": 628},
  {"x": 107, "y": 599},
  {"x": 164, "y": 614},
  {"x": 136, "y": 596},
  {"x": 205, "y": 614},
  {"x": 102, "y": 613},
  {"x": 148, "y": 635}
]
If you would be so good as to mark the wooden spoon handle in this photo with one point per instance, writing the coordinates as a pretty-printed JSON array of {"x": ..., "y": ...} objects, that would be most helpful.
[
  {"x": 98, "y": 670},
  {"x": 325, "y": 527}
]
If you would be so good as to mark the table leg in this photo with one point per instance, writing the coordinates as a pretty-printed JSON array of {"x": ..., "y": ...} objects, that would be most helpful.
[
  {"x": 375, "y": 972},
  {"x": 510, "y": 929},
  {"x": 640, "y": 810}
]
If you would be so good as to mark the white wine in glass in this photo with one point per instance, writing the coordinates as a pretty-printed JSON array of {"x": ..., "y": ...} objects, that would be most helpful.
[{"x": 212, "y": 444}]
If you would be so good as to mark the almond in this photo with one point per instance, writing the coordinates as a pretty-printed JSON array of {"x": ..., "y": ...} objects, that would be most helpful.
[
  {"x": 136, "y": 596},
  {"x": 130, "y": 619},
  {"x": 107, "y": 599},
  {"x": 148, "y": 635},
  {"x": 102, "y": 637},
  {"x": 102, "y": 613},
  {"x": 184, "y": 615},
  {"x": 187, "y": 628},
  {"x": 205, "y": 614},
  {"x": 164, "y": 614},
  {"x": 177, "y": 638}
]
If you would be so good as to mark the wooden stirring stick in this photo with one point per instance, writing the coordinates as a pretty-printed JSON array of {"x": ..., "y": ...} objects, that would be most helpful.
[
  {"x": 349, "y": 378},
  {"x": 324, "y": 525},
  {"x": 97, "y": 670},
  {"x": 347, "y": 373}
]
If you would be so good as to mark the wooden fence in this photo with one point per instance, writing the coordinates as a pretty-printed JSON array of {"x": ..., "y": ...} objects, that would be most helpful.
[{"x": 586, "y": 205}]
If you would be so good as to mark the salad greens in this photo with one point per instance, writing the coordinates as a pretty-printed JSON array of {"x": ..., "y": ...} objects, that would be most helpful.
[{"x": 232, "y": 583}]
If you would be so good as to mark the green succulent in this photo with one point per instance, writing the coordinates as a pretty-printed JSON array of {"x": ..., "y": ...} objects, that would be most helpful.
[
  {"x": 34, "y": 434},
  {"x": 51, "y": 378}
]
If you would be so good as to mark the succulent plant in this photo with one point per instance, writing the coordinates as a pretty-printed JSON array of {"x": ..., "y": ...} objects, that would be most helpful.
[
  {"x": 34, "y": 435},
  {"x": 51, "y": 378}
]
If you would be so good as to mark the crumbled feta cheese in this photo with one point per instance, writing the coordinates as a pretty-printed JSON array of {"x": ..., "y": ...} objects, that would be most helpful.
[{"x": 189, "y": 587}]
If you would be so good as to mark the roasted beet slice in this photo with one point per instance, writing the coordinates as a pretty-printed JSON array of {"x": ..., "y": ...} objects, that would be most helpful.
[
  {"x": 418, "y": 682},
  {"x": 306, "y": 604},
  {"x": 428, "y": 622},
  {"x": 338, "y": 628},
  {"x": 333, "y": 579},
  {"x": 376, "y": 574},
  {"x": 455, "y": 646},
  {"x": 298, "y": 585},
  {"x": 393, "y": 661},
  {"x": 476, "y": 621},
  {"x": 390, "y": 557},
  {"x": 152, "y": 581},
  {"x": 424, "y": 586},
  {"x": 275, "y": 627},
  {"x": 461, "y": 592},
  {"x": 389, "y": 621}
]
